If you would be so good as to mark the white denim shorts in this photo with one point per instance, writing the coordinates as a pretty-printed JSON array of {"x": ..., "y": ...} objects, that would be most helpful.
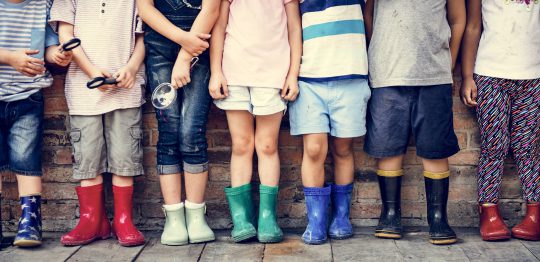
[{"x": 259, "y": 101}]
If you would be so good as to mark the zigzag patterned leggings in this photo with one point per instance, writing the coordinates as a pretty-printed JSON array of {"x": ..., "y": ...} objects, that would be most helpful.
[{"x": 509, "y": 117}]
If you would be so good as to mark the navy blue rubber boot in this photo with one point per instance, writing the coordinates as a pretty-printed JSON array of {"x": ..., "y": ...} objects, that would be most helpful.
[
  {"x": 29, "y": 232},
  {"x": 340, "y": 227},
  {"x": 317, "y": 201}
]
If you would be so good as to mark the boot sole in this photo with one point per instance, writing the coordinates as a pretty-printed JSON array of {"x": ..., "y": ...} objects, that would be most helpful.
[
  {"x": 174, "y": 243},
  {"x": 316, "y": 242},
  {"x": 270, "y": 239},
  {"x": 27, "y": 243},
  {"x": 388, "y": 235},
  {"x": 202, "y": 240},
  {"x": 447, "y": 241},
  {"x": 245, "y": 236},
  {"x": 85, "y": 242},
  {"x": 341, "y": 237},
  {"x": 525, "y": 237},
  {"x": 497, "y": 238}
]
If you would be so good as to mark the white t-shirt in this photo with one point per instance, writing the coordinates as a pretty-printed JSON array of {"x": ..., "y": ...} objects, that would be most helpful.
[{"x": 510, "y": 43}]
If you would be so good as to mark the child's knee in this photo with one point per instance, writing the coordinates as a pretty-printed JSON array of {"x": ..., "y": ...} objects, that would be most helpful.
[
  {"x": 242, "y": 145},
  {"x": 315, "y": 150},
  {"x": 266, "y": 146}
]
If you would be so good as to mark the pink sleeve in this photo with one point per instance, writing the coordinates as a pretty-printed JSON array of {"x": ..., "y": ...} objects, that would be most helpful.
[
  {"x": 286, "y": 1},
  {"x": 63, "y": 11}
]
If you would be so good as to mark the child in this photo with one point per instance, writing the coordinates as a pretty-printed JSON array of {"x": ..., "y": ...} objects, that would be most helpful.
[
  {"x": 171, "y": 42},
  {"x": 25, "y": 42},
  {"x": 410, "y": 67},
  {"x": 504, "y": 55},
  {"x": 334, "y": 87},
  {"x": 255, "y": 58},
  {"x": 106, "y": 131}
]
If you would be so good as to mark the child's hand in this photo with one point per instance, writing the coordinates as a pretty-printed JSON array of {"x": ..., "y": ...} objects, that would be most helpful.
[
  {"x": 98, "y": 72},
  {"x": 181, "y": 71},
  {"x": 125, "y": 77},
  {"x": 56, "y": 56},
  {"x": 195, "y": 43},
  {"x": 468, "y": 92},
  {"x": 290, "y": 90},
  {"x": 25, "y": 64},
  {"x": 218, "y": 87}
]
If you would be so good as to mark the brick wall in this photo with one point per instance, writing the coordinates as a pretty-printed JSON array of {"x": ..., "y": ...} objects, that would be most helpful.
[{"x": 60, "y": 208}]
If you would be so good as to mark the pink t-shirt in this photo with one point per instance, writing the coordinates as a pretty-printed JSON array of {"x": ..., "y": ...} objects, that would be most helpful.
[{"x": 256, "y": 51}]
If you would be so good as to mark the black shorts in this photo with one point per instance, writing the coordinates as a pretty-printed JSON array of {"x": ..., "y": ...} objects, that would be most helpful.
[{"x": 396, "y": 112}]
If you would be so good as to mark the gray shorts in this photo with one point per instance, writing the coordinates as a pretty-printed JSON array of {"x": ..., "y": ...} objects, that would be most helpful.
[{"x": 111, "y": 142}]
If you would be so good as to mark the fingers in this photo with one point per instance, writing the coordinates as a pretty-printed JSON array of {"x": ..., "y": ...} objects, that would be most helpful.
[
  {"x": 31, "y": 52},
  {"x": 284, "y": 91},
  {"x": 105, "y": 73},
  {"x": 38, "y": 68},
  {"x": 204, "y": 36},
  {"x": 34, "y": 60},
  {"x": 225, "y": 89}
]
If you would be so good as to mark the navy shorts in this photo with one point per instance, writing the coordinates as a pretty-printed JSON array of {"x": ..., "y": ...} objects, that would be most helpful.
[
  {"x": 21, "y": 130},
  {"x": 396, "y": 112}
]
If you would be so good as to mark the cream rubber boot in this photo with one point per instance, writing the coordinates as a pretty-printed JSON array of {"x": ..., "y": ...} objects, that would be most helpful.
[
  {"x": 174, "y": 232},
  {"x": 198, "y": 229}
]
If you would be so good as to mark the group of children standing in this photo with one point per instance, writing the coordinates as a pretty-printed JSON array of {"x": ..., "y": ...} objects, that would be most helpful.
[{"x": 255, "y": 59}]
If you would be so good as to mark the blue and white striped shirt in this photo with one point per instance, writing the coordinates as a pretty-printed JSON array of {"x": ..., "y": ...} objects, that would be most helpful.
[
  {"x": 24, "y": 26},
  {"x": 334, "y": 40}
]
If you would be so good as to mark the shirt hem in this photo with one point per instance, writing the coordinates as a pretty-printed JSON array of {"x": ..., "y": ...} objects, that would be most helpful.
[
  {"x": 506, "y": 75},
  {"x": 332, "y": 78},
  {"x": 411, "y": 82},
  {"x": 95, "y": 113},
  {"x": 255, "y": 85}
]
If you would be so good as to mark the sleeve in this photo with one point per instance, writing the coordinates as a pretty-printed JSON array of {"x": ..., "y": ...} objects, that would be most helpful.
[
  {"x": 62, "y": 11},
  {"x": 286, "y": 1},
  {"x": 51, "y": 38}
]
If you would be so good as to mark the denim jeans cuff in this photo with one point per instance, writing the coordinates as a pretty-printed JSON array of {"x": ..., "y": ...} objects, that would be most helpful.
[
  {"x": 169, "y": 169},
  {"x": 195, "y": 168},
  {"x": 4, "y": 168},
  {"x": 26, "y": 173}
]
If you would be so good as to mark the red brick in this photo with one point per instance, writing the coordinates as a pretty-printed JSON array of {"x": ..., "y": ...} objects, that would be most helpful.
[
  {"x": 55, "y": 105},
  {"x": 63, "y": 157}
]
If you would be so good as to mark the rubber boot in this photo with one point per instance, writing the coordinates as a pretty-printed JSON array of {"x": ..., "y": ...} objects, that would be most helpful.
[
  {"x": 29, "y": 231},
  {"x": 242, "y": 213},
  {"x": 122, "y": 227},
  {"x": 390, "y": 220},
  {"x": 437, "y": 185},
  {"x": 317, "y": 203},
  {"x": 175, "y": 231},
  {"x": 197, "y": 228},
  {"x": 492, "y": 226},
  {"x": 340, "y": 227},
  {"x": 93, "y": 222},
  {"x": 529, "y": 228},
  {"x": 268, "y": 228}
]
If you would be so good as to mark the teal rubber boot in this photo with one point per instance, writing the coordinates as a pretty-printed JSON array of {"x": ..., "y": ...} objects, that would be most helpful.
[
  {"x": 242, "y": 213},
  {"x": 268, "y": 229},
  {"x": 197, "y": 228},
  {"x": 174, "y": 232}
]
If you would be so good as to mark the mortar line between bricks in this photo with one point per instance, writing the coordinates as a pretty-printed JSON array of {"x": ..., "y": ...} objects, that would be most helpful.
[
  {"x": 73, "y": 253},
  {"x": 140, "y": 251},
  {"x": 537, "y": 258},
  {"x": 331, "y": 250},
  {"x": 263, "y": 251},
  {"x": 202, "y": 251}
]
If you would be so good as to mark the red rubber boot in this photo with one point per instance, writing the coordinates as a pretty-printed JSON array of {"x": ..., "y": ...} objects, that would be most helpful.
[
  {"x": 529, "y": 228},
  {"x": 93, "y": 223},
  {"x": 492, "y": 226},
  {"x": 123, "y": 227}
]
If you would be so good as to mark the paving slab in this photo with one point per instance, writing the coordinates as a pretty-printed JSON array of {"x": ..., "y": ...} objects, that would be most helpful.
[
  {"x": 293, "y": 249},
  {"x": 415, "y": 247},
  {"x": 224, "y": 249},
  {"x": 533, "y": 247},
  {"x": 155, "y": 251},
  {"x": 478, "y": 250},
  {"x": 364, "y": 247},
  {"x": 50, "y": 250},
  {"x": 106, "y": 250}
]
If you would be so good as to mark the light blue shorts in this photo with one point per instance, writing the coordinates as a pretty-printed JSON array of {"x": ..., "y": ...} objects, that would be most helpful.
[{"x": 335, "y": 107}]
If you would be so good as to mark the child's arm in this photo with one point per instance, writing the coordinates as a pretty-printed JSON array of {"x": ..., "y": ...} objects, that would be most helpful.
[
  {"x": 471, "y": 40},
  {"x": 194, "y": 42},
  {"x": 23, "y": 62},
  {"x": 53, "y": 53},
  {"x": 218, "y": 84},
  {"x": 204, "y": 22},
  {"x": 368, "y": 18},
  {"x": 294, "y": 25},
  {"x": 457, "y": 18},
  {"x": 65, "y": 33},
  {"x": 126, "y": 76}
]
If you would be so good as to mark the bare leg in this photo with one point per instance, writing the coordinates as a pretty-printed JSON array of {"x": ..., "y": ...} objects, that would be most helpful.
[
  {"x": 435, "y": 165},
  {"x": 196, "y": 186},
  {"x": 171, "y": 188},
  {"x": 92, "y": 182},
  {"x": 243, "y": 146},
  {"x": 122, "y": 181},
  {"x": 342, "y": 154},
  {"x": 266, "y": 144},
  {"x": 315, "y": 151},
  {"x": 390, "y": 163},
  {"x": 29, "y": 185}
]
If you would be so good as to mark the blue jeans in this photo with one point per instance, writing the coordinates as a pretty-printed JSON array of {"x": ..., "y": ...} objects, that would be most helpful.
[
  {"x": 21, "y": 140},
  {"x": 182, "y": 144}
]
